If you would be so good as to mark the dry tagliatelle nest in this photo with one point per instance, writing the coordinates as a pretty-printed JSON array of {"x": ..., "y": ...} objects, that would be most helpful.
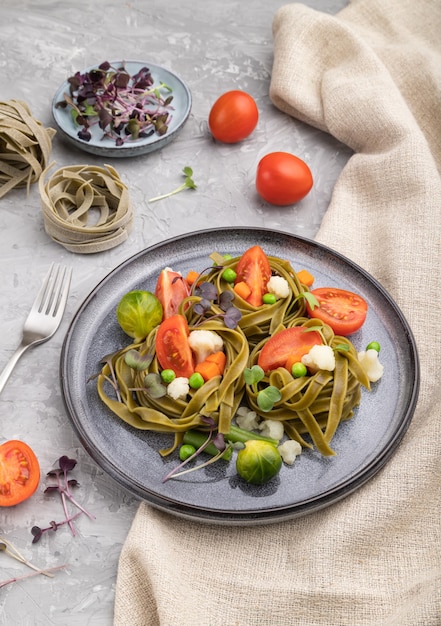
[
  {"x": 25, "y": 146},
  {"x": 86, "y": 208}
]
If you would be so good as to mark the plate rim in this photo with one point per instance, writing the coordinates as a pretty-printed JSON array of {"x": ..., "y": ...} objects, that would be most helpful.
[
  {"x": 250, "y": 516},
  {"x": 127, "y": 149}
]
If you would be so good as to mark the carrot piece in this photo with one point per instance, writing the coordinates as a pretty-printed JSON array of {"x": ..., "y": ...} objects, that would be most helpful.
[
  {"x": 220, "y": 358},
  {"x": 207, "y": 370},
  {"x": 242, "y": 290},
  {"x": 213, "y": 365},
  {"x": 305, "y": 277},
  {"x": 192, "y": 277}
]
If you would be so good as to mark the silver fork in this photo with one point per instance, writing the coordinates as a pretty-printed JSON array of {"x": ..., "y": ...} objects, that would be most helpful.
[{"x": 45, "y": 315}]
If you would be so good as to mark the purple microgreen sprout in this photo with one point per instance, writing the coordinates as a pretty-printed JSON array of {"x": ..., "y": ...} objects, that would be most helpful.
[
  {"x": 63, "y": 486},
  {"x": 124, "y": 107},
  {"x": 187, "y": 184},
  {"x": 153, "y": 385},
  {"x": 138, "y": 361},
  {"x": 45, "y": 572},
  {"x": 208, "y": 293},
  {"x": 218, "y": 440}
]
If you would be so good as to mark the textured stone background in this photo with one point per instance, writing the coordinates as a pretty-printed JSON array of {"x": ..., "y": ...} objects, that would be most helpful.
[{"x": 214, "y": 47}]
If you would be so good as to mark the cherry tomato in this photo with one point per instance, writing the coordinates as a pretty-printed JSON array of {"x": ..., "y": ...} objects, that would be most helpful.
[
  {"x": 287, "y": 347},
  {"x": 254, "y": 269},
  {"x": 172, "y": 347},
  {"x": 283, "y": 178},
  {"x": 171, "y": 288},
  {"x": 342, "y": 310},
  {"x": 19, "y": 472},
  {"x": 233, "y": 116}
]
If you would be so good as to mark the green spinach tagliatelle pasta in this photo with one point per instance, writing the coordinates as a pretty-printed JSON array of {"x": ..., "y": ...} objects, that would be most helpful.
[{"x": 310, "y": 407}]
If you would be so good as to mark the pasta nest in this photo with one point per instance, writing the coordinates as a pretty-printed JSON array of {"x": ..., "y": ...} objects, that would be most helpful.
[
  {"x": 313, "y": 405},
  {"x": 219, "y": 398},
  {"x": 25, "y": 146}
]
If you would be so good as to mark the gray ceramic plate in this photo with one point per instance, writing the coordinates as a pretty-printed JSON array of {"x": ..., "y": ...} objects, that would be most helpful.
[
  {"x": 106, "y": 147},
  {"x": 215, "y": 494}
]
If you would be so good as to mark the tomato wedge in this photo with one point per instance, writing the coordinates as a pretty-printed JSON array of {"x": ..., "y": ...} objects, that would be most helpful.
[
  {"x": 171, "y": 288},
  {"x": 172, "y": 347},
  {"x": 254, "y": 269},
  {"x": 287, "y": 347},
  {"x": 19, "y": 472},
  {"x": 342, "y": 310}
]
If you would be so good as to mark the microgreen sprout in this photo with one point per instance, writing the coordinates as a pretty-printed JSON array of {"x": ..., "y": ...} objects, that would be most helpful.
[
  {"x": 138, "y": 361},
  {"x": 267, "y": 397},
  {"x": 8, "y": 548},
  {"x": 124, "y": 107},
  {"x": 309, "y": 297},
  {"x": 218, "y": 440},
  {"x": 187, "y": 184},
  {"x": 208, "y": 293},
  {"x": 63, "y": 485}
]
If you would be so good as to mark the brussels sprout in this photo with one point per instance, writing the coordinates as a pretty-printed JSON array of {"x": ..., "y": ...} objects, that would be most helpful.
[
  {"x": 258, "y": 462},
  {"x": 138, "y": 312}
]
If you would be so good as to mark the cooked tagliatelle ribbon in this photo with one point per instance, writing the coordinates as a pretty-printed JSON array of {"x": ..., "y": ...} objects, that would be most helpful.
[
  {"x": 86, "y": 208},
  {"x": 310, "y": 407},
  {"x": 316, "y": 404},
  {"x": 219, "y": 398},
  {"x": 25, "y": 146}
]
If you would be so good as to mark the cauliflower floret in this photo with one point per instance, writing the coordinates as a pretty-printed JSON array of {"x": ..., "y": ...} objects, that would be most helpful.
[
  {"x": 247, "y": 419},
  {"x": 278, "y": 286},
  {"x": 289, "y": 449},
  {"x": 178, "y": 388},
  {"x": 320, "y": 358},
  {"x": 272, "y": 429},
  {"x": 204, "y": 342},
  {"x": 371, "y": 364}
]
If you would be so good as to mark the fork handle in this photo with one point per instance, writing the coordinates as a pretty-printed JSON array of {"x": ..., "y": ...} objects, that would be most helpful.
[{"x": 11, "y": 364}]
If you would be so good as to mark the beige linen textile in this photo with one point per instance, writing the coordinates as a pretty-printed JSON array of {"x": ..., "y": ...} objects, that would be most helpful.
[{"x": 370, "y": 76}]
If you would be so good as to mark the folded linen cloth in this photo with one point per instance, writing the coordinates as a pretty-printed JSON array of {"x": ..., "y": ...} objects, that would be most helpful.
[{"x": 371, "y": 77}]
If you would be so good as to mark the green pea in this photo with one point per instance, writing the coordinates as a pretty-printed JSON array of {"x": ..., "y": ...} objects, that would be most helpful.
[
  {"x": 185, "y": 451},
  {"x": 373, "y": 345},
  {"x": 229, "y": 275},
  {"x": 167, "y": 376},
  {"x": 269, "y": 298},
  {"x": 196, "y": 380},
  {"x": 227, "y": 257},
  {"x": 298, "y": 370}
]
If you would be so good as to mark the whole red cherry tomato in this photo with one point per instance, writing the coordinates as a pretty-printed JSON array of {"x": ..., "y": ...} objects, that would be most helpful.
[
  {"x": 283, "y": 178},
  {"x": 233, "y": 116}
]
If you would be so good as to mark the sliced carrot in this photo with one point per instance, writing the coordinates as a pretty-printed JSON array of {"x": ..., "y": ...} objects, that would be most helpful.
[
  {"x": 214, "y": 365},
  {"x": 192, "y": 277},
  {"x": 242, "y": 290},
  {"x": 220, "y": 358},
  {"x": 305, "y": 277},
  {"x": 207, "y": 370}
]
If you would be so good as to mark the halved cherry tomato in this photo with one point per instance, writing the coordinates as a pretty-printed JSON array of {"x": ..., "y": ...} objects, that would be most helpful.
[
  {"x": 171, "y": 288},
  {"x": 282, "y": 178},
  {"x": 287, "y": 347},
  {"x": 342, "y": 310},
  {"x": 233, "y": 116},
  {"x": 254, "y": 269},
  {"x": 172, "y": 347},
  {"x": 19, "y": 472}
]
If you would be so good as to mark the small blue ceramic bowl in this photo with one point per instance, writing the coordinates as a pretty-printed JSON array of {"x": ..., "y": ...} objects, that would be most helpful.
[{"x": 106, "y": 147}]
